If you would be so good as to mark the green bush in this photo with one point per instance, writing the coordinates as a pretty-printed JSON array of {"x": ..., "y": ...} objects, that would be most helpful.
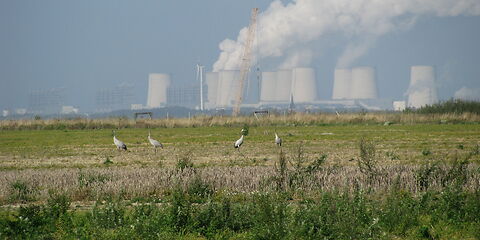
[
  {"x": 22, "y": 191},
  {"x": 451, "y": 106}
]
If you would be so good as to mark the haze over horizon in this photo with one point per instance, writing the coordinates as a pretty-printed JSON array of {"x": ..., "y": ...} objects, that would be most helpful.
[{"x": 84, "y": 46}]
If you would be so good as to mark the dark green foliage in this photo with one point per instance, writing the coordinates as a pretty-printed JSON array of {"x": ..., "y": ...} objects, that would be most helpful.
[
  {"x": 245, "y": 130},
  {"x": 22, "y": 191},
  {"x": 184, "y": 160},
  {"x": 400, "y": 213},
  {"x": 456, "y": 173},
  {"x": 110, "y": 215},
  {"x": 367, "y": 161},
  {"x": 198, "y": 190},
  {"x": 426, "y": 152},
  {"x": 451, "y": 106},
  {"x": 180, "y": 211},
  {"x": 107, "y": 161},
  {"x": 271, "y": 217},
  {"x": 426, "y": 174},
  {"x": 329, "y": 215}
]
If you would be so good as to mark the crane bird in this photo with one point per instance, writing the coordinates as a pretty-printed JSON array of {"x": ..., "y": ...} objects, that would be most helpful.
[
  {"x": 278, "y": 140},
  {"x": 154, "y": 142},
  {"x": 238, "y": 143},
  {"x": 120, "y": 145}
]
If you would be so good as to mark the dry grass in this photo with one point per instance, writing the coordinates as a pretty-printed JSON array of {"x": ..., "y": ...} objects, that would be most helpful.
[
  {"x": 301, "y": 119},
  {"x": 130, "y": 182}
]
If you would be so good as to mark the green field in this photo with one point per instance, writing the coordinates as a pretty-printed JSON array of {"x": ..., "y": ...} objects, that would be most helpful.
[
  {"x": 214, "y": 145},
  {"x": 319, "y": 164}
]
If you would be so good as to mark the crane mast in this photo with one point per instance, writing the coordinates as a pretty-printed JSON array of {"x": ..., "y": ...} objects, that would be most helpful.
[{"x": 246, "y": 59}]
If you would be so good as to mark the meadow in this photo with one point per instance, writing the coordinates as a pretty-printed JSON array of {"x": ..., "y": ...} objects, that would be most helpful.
[{"x": 352, "y": 176}]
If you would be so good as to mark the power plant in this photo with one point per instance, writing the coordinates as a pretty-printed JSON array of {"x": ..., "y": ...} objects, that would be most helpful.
[
  {"x": 341, "y": 84},
  {"x": 353, "y": 88},
  {"x": 212, "y": 89},
  {"x": 304, "y": 85},
  {"x": 422, "y": 90},
  {"x": 158, "y": 84},
  {"x": 363, "y": 84},
  {"x": 268, "y": 87}
]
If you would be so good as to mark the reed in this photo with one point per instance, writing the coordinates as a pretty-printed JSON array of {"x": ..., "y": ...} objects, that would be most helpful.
[{"x": 296, "y": 119}]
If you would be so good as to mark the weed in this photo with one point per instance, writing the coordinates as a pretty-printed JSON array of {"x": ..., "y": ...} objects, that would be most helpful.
[
  {"x": 107, "y": 161},
  {"x": 367, "y": 162},
  {"x": 87, "y": 179},
  {"x": 426, "y": 152},
  {"x": 392, "y": 155},
  {"x": 184, "y": 160},
  {"x": 199, "y": 190},
  {"x": 22, "y": 191},
  {"x": 110, "y": 215},
  {"x": 426, "y": 174}
]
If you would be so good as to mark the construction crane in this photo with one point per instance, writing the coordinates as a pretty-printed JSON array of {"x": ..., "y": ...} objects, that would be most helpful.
[{"x": 246, "y": 59}]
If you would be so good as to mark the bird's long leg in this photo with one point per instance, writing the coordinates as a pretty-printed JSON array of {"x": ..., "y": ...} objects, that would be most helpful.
[{"x": 241, "y": 153}]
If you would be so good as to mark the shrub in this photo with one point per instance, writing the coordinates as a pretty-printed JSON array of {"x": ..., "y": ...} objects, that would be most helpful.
[
  {"x": 184, "y": 160},
  {"x": 22, "y": 191},
  {"x": 198, "y": 190},
  {"x": 110, "y": 215},
  {"x": 367, "y": 162}
]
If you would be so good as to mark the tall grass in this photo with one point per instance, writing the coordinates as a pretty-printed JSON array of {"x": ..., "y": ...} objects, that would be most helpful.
[
  {"x": 447, "y": 214},
  {"x": 296, "y": 119},
  {"x": 454, "y": 106}
]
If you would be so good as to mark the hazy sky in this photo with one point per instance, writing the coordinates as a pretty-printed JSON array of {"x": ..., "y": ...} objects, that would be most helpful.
[{"x": 88, "y": 45}]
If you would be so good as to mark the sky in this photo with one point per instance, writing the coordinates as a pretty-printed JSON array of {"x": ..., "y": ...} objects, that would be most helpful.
[{"x": 84, "y": 46}]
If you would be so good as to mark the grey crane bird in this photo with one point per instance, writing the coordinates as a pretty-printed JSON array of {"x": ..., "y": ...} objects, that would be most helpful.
[
  {"x": 278, "y": 140},
  {"x": 120, "y": 145},
  {"x": 238, "y": 143},
  {"x": 154, "y": 142}
]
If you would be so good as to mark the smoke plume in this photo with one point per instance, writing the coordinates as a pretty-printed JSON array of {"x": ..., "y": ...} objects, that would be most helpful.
[
  {"x": 283, "y": 28},
  {"x": 471, "y": 94}
]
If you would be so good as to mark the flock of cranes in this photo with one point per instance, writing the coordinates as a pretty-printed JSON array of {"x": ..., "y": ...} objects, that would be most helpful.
[{"x": 156, "y": 144}]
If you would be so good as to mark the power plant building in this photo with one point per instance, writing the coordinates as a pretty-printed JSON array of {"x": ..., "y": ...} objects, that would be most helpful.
[
  {"x": 304, "y": 85},
  {"x": 341, "y": 83},
  {"x": 228, "y": 85},
  {"x": 268, "y": 87},
  {"x": 284, "y": 85},
  {"x": 158, "y": 84},
  {"x": 211, "y": 79},
  {"x": 422, "y": 90},
  {"x": 363, "y": 84}
]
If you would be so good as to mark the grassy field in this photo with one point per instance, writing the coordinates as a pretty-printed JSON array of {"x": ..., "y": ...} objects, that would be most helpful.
[
  {"x": 415, "y": 159},
  {"x": 213, "y": 146}
]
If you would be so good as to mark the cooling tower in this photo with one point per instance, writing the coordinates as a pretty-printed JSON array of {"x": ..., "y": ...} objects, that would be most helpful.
[
  {"x": 304, "y": 87},
  {"x": 341, "y": 83},
  {"x": 157, "y": 89},
  {"x": 284, "y": 85},
  {"x": 228, "y": 84},
  {"x": 363, "y": 84},
  {"x": 268, "y": 87},
  {"x": 422, "y": 89},
  {"x": 212, "y": 85}
]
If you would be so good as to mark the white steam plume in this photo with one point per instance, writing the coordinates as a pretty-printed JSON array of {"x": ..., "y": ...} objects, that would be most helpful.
[
  {"x": 284, "y": 28},
  {"x": 471, "y": 94}
]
